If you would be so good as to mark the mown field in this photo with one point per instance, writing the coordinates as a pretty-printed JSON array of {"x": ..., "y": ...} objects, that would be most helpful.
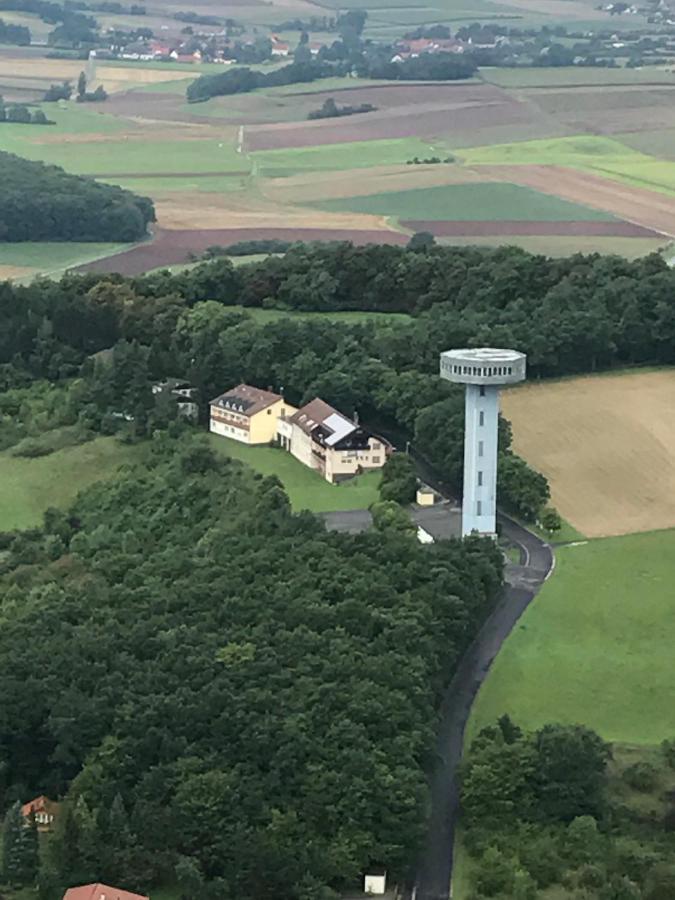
[
  {"x": 595, "y": 646},
  {"x": 605, "y": 444}
]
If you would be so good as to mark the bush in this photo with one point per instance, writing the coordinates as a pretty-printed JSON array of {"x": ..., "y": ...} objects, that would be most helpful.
[
  {"x": 496, "y": 874},
  {"x": 668, "y": 750},
  {"x": 31, "y": 449},
  {"x": 399, "y": 481},
  {"x": 641, "y": 776}
]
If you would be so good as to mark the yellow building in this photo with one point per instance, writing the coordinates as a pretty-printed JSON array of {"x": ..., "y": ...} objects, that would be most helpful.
[
  {"x": 248, "y": 414},
  {"x": 323, "y": 439}
]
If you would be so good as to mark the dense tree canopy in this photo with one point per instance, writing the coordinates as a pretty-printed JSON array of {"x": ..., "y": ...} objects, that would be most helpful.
[
  {"x": 44, "y": 203},
  {"x": 231, "y": 695}
]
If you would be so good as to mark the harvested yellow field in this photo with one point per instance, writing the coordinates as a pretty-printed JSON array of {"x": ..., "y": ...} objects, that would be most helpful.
[
  {"x": 607, "y": 446},
  {"x": 59, "y": 69}
]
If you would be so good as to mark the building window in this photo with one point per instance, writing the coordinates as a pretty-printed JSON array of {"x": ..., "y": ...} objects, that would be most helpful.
[
  {"x": 479, "y": 507},
  {"x": 482, "y": 390},
  {"x": 480, "y": 448},
  {"x": 269, "y": 412},
  {"x": 376, "y": 459},
  {"x": 376, "y": 445},
  {"x": 481, "y": 418},
  {"x": 480, "y": 479}
]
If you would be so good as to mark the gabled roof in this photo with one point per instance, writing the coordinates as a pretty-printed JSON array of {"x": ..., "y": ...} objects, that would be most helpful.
[
  {"x": 101, "y": 892},
  {"x": 40, "y": 804},
  {"x": 333, "y": 425},
  {"x": 246, "y": 400}
]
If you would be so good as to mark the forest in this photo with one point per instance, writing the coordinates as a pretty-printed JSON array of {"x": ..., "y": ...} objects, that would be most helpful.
[
  {"x": 45, "y": 203},
  {"x": 241, "y": 703},
  {"x": 555, "y": 810},
  {"x": 581, "y": 314}
]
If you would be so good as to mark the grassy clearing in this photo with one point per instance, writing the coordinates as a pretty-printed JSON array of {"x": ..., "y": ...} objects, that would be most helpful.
[
  {"x": 49, "y": 258},
  {"x": 305, "y": 487},
  {"x": 195, "y": 183},
  {"x": 350, "y": 155},
  {"x": 469, "y": 202},
  {"x": 595, "y": 646},
  {"x": 29, "y": 486}
]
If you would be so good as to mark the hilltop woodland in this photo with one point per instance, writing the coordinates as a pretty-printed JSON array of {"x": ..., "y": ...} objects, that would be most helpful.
[
  {"x": 44, "y": 203},
  {"x": 243, "y": 704},
  {"x": 553, "y": 809},
  {"x": 574, "y": 315}
]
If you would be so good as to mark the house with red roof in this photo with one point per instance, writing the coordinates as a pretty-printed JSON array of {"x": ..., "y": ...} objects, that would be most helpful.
[
  {"x": 101, "y": 892},
  {"x": 43, "y": 812}
]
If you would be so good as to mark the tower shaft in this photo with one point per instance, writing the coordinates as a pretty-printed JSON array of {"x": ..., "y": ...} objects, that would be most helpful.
[{"x": 479, "y": 504}]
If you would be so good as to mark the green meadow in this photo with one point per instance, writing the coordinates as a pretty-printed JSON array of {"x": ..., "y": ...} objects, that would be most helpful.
[
  {"x": 49, "y": 257},
  {"x": 469, "y": 202},
  {"x": 595, "y": 646},
  {"x": 349, "y": 155},
  {"x": 305, "y": 487},
  {"x": 30, "y": 486}
]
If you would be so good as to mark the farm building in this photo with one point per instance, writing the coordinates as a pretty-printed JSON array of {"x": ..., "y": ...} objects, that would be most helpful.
[
  {"x": 323, "y": 439},
  {"x": 248, "y": 414}
]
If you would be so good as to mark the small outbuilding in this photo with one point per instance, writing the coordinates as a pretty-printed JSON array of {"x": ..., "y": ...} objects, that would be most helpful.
[{"x": 375, "y": 882}]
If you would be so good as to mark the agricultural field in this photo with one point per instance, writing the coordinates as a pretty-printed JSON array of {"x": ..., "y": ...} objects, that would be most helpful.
[
  {"x": 558, "y": 161},
  {"x": 604, "y": 443}
]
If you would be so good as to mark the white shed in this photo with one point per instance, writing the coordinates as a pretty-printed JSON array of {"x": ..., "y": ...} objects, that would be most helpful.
[{"x": 375, "y": 883}]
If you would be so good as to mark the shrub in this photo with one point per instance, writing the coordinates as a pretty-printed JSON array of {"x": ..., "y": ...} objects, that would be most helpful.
[
  {"x": 641, "y": 776},
  {"x": 496, "y": 874}
]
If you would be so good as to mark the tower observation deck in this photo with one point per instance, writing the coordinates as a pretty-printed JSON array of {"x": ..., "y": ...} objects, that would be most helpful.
[{"x": 483, "y": 371}]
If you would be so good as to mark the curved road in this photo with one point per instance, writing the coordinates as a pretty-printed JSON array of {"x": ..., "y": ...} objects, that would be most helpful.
[{"x": 522, "y": 583}]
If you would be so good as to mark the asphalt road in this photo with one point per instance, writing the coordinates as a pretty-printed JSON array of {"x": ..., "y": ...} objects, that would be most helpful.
[{"x": 434, "y": 871}]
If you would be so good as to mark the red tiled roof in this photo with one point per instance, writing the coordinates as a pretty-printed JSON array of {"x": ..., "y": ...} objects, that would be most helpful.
[
  {"x": 101, "y": 892},
  {"x": 312, "y": 414},
  {"x": 40, "y": 804}
]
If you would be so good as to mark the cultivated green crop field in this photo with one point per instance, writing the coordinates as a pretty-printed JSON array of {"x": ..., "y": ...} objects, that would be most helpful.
[
  {"x": 600, "y": 155},
  {"x": 469, "y": 202},
  {"x": 595, "y": 646},
  {"x": 349, "y": 155},
  {"x": 30, "y": 486},
  {"x": 574, "y": 76},
  {"x": 305, "y": 488}
]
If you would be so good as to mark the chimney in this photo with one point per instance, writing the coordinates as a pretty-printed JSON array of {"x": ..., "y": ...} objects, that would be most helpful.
[{"x": 356, "y": 417}]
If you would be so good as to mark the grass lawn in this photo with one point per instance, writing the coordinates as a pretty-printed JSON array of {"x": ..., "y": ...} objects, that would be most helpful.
[
  {"x": 305, "y": 487},
  {"x": 52, "y": 257},
  {"x": 29, "y": 486},
  {"x": 595, "y": 646},
  {"x": 469, "y": 202},
  {"x": 350, "y": 155}
]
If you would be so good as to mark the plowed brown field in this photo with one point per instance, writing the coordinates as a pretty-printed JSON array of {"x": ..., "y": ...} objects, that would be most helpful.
[
  {"x": 172, "y": 247},
  {"x": 650, "y": 209},
  {"x": 470, "y": 228},
  {"x": 607, "y": 446}
]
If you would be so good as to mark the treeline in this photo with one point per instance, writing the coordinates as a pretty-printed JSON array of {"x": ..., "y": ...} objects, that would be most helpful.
[
  {"x": 73, "y": 28},
  {"x": 543, "y": 811},
  {"x": 44, "y": 203},
  {"x": 241, "y": 81},
  {"x": 331, "y": 110},
  {"x": 332, "y": 62},
  {"x": 19, "y": 112},
  {"x": 14, "y": 34},
  {"x": 209, "y": 714}
]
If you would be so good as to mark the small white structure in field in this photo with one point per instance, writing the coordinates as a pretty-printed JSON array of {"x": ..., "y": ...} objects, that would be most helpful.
[{"x": 375, "y": 883}]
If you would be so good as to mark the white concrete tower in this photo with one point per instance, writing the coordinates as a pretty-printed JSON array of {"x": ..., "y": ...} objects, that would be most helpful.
[{"x": 483, "y": 371}]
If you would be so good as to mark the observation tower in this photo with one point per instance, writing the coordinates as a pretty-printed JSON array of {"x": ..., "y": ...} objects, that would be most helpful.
[{"x": 483, "y": 371}]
